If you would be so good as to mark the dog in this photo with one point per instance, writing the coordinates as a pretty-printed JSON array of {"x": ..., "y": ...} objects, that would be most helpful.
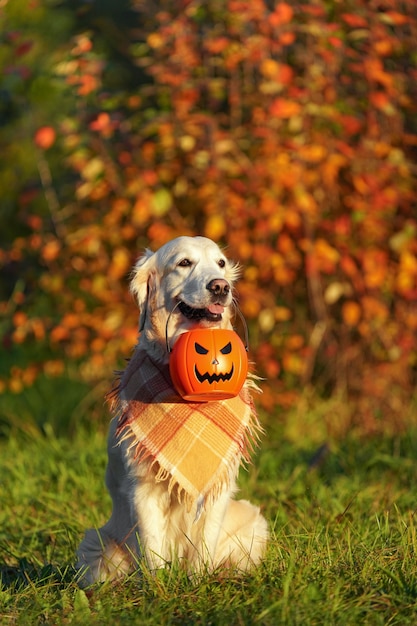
[{"x": 188, "y": 282}]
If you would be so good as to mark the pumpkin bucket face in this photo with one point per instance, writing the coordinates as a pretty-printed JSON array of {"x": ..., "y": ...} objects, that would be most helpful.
[{"x": 208, "y": 364}]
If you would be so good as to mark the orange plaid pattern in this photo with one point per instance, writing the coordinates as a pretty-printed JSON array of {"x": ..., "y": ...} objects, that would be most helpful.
[{"x": 198, "y": 446}]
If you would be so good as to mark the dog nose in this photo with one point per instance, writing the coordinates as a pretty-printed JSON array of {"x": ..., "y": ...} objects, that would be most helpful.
[{"x": 219, "y": 287}]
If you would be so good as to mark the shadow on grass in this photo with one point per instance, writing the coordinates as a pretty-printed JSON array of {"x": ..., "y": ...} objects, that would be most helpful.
[{"x": 15, "y": 577}]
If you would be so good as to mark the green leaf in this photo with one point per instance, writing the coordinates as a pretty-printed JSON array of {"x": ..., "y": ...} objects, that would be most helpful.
[{"x": 161, "y": 202}]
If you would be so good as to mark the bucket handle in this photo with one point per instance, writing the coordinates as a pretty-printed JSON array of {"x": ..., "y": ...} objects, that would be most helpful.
[{"x": 237, "y": 310}]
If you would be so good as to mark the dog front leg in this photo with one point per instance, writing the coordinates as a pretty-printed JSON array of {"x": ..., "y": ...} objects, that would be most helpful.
[
  {"x": 151, "y": 507},
  {"x": 205, "y": 535}
]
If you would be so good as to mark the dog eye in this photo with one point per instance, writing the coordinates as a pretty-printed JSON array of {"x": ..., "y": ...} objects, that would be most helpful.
[
  {"x": 185, "y": 263},
  {"x": 222, "y": 263}
]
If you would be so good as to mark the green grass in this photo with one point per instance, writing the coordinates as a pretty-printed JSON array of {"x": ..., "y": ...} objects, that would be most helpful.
[{"x": 343, "y": 547}]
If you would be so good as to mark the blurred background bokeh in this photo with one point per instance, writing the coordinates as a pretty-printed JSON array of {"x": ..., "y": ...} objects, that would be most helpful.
[{"x": 285, "y": 131}]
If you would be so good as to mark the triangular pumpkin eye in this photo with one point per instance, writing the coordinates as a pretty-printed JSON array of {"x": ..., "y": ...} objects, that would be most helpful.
[
  {"x": 200, "y": 349},
  {"x": 227, "y": 348}
]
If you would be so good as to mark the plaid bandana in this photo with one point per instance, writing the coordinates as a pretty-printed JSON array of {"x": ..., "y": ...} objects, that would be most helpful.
[{"x": 196, "y": 446}]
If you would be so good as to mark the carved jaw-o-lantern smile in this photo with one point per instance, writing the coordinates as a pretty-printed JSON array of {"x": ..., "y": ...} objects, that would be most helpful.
[{"x": 208, "y": 364}]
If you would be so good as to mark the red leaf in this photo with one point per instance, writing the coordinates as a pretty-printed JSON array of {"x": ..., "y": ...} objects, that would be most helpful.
[
  {"x": 23, "y": 48},
  {"x": 355, "y": 21}
]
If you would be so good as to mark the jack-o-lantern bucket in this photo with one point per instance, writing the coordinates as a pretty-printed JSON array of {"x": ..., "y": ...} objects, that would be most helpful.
[{"x": 208, "y": 364}]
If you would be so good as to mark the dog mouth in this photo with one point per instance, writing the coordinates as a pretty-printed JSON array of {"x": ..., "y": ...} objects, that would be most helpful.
[{"x": 212, "y": 313}]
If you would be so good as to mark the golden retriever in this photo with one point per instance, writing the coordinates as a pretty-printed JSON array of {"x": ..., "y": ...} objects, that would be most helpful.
[{"x": 189, "y": 281}]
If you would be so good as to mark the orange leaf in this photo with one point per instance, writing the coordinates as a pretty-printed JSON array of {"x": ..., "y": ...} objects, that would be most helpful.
[
  {"x": 87, "y": 84},
  {"x": 51, "y": 250},
  {"x": 215, "y": 227},
  {"x": 45, "y": 137},
  {"x": 312, "y": 153},
  {"x": 54, "y": 368},
  {"x": 286, "y": 39},
  {"x": 282, "y": 314},
  {"x": 280, "y": 72},
  {"x": 282, "y": 15},
  {"x": 351, "y": 313},
  {"x": 374, "y": 71},
  {"x": 394, "y": 18},
  {"x": 294, "y": 342},
  {"x": 59, "y": 333},
  {"x": 284, "y": 109},
  {"x": 70, "y": 320},
  {"x": 380, "y": 100},
  {"x": 325, "y": 255},
  {"x": 293, "y": 363},
  {"x": 38, "y": 328},
  {"x": 383, "y": 47},
  {"x": 120, "y": 263},
  {"x": 375, "y": 266},
  {"x": 374, "y": 309},
  {"x": 218, "y": 45},
  {"x": 19, "y": 318}
]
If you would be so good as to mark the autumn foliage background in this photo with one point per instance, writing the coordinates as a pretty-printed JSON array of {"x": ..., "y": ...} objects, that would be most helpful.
[{"x": 286, "y": 132}]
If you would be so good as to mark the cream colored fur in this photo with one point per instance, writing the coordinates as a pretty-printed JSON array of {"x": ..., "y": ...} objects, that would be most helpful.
[{"x": 146, "y": 521}]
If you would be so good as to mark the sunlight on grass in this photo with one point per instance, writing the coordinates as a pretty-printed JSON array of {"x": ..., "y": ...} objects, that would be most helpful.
[{"x": 343, "y": 546}]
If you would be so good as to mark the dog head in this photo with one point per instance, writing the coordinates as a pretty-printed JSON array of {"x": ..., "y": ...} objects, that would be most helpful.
[{"x": 187, "y": 282}]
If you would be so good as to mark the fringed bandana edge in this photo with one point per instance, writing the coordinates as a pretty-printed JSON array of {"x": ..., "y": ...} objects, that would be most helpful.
[{"x": 196, "y": 447}]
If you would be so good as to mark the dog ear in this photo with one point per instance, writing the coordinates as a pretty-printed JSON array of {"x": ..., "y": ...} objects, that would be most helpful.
[{"x": 141, "y": 283}]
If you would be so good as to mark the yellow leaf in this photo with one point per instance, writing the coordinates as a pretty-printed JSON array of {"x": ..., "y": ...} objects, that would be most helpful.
[
  {"x": 269, "y": 68},
  {"x": 335, "y": 291},
  {"x": 120, "y": 264},
  {"x": 266, "y": 320},
  {"x": 312, "y": 153},
  {"x": 155, "y": 40},
  {"x": 215, "y": 227},
  {"x": 93, "y": 169},
  {"x": 282, "y": 314}
]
